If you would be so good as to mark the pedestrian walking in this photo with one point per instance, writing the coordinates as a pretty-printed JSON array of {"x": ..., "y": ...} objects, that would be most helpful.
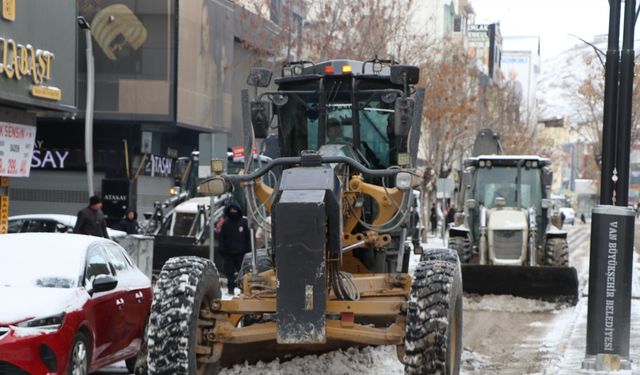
[
  {"x": 583, "y": 219},
  {"x": 433, "y": 218},
  {"x": 451, "y": 215},
  {"x": 235, "y": 241},
  {"x": 90, "y": 220},
  {"x": 129, "y": 223}
]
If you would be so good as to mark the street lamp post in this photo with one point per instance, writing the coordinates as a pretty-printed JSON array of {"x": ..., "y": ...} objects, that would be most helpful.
[
  {"x": 88, "y": 117},
  {"x": 612, "y": 226}
]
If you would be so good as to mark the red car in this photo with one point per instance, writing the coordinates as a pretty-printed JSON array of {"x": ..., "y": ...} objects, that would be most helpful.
[{"x": 71, "y": 304}]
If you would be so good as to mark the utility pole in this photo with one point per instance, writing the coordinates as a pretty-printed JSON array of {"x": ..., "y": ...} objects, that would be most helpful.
[
  {"x": 88, "y": 113},
  {"x": 612, "y": 226}
]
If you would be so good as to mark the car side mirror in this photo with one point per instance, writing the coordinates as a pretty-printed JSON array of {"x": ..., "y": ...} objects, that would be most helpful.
[
  {"x": 259, "y": 77},
  {"x": 403, "y": 116},
  {"x": 260, "y": 118},
  {"x": 401, "y": 72},
  {"x": 103, "y": 283},
  {"x": 213, "y": 186}
]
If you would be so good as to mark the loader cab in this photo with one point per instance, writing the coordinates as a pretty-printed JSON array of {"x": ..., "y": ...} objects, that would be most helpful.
[{"x": 518, "y": 180}]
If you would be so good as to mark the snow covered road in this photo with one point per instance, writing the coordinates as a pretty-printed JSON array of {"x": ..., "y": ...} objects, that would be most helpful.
[{"x": 502, "y": 335}]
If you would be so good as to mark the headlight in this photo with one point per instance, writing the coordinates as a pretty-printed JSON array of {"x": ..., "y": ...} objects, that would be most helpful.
[
  {"x": 403, "y": 180},
  {"x": 52, "y": 322}
]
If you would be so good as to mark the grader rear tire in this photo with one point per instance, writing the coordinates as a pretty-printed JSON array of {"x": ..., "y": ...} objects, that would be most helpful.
[
  {"x": 433, "y": 340},
  {"x": 462, "y": 246},
  {"x": 263, "y": 260},
  {"x": 556, "y": 252},
  {"x": 186, "y": 286}
]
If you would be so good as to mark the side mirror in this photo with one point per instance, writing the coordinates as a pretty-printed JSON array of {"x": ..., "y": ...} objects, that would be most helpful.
[
  {"x": 213, "y": 186},
  {"x": 400, "y": 72},
  {"x": 260, "y": 118},
  {"x": 546, "y": 203},
  {"x": 470, "y": 203},
  {"x": 403, "y": 115},
  {"x": 259, "y": 77},
  {"x": 103, "y": 283}
]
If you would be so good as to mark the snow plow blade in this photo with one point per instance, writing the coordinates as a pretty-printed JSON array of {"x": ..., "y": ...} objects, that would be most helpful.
[{"x": 546, "y": 283}]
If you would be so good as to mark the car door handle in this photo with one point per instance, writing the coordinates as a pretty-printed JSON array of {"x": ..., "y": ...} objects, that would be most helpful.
[
  {"x": 139, "y": 297},
  {"x": 120, "y": 303}
]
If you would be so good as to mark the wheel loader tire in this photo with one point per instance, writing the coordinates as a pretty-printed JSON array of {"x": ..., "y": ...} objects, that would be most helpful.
[
  {"x": 433, "y": 339},
  {"x": 185, "y": 286},
  {"x": 462, "y": 246},
  {"x": 263, "y": 260},
  {"x": 556, "y": 252}
]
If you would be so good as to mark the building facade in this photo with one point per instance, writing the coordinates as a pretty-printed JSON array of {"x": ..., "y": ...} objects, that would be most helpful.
[
  {"x": 38, "y": 42},
  {"x": 168, "y": 75}
]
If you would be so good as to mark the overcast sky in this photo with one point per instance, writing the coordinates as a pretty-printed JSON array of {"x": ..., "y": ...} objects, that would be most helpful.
[{"x": 552, "y": 20}]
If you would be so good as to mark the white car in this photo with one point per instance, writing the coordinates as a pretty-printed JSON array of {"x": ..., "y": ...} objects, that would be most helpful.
[
  {"x": 569, "y": 215},
  {"x": 52, "y": 223}
]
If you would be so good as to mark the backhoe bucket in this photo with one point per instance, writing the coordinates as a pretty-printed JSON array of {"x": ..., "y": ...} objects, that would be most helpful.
[{"x": 546, "y": 283}]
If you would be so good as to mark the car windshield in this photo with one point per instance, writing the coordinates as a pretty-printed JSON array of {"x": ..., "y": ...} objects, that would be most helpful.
[
  {"x": 27, "y": 266},
  {"x": 502, "y": 182}
]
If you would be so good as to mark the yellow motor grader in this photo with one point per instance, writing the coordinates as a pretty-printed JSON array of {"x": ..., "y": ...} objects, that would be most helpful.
[{"x": 334, "y": 270}]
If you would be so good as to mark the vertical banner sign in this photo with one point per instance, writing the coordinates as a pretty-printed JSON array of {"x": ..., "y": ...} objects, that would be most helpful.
[
  {"x": 610, "y": 274},
  {"x": 4, "y": 205},
  {"x": 4, "y": 214},
  {"x": 16, "y": 149}
]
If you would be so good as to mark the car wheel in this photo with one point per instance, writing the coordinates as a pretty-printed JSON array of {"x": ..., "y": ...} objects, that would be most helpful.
[{"x": 79, "y": 357}]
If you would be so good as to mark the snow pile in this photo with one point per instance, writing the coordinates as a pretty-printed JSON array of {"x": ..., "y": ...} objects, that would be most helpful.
[
  {"x": 506, "y": 303},
  {"x": 473, "y": 362},
  {"x": 368, "y": 360},
  {"x": 381, "y": 360}
]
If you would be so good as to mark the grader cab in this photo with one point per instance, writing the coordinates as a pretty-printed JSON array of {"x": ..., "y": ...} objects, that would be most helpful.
[{"x": 334, "y": 271}]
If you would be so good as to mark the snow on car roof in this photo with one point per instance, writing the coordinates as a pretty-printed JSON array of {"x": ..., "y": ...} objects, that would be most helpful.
[
  {"x": 191, "y": 205},
  {"x": 30, "y": 257},
  {"x": 69, "y": 220}
]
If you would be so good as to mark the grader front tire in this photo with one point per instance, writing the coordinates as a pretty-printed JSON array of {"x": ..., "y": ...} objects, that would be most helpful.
[
  {"x": 433, "y": 340},
  {"x": 181, "y": 297}
]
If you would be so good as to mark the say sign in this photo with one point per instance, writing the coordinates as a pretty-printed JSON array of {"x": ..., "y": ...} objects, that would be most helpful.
[{"x": 16, "y": 149}]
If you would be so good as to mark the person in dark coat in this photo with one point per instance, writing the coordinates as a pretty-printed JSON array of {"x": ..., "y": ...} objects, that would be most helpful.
[
  {"x": 451, "y": 216},
  {"x": 433, "y": 218},
  {"x": 130, "y": 222},
  {"x": 235, "y": 241},
  {"x": 90, "y": 220}
]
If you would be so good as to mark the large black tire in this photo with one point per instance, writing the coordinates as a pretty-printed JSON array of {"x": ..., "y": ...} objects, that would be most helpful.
[
  {"x": 185, "y": 286},
  {"x": 263, "y": 261},
  {"x": 138, "y": 365},
  {"x": 79, "y": 355},
  {"x": 556, "y": 252},
  {"x": 433, "y": 339},
  {"x": 462, "y": 246}
]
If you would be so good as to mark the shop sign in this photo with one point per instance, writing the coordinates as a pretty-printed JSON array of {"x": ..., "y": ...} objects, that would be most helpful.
[
  {"x": 35, "y": 50},
  {"x": 160, "y": 166},
  {"x": 238, "y": 153},
  {"x": 16, "y": 149},
  {"x": 4, "y": 214}
]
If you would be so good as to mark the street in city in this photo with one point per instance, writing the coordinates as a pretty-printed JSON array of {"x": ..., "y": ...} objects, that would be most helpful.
[{"x": 319, "y": 187}]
